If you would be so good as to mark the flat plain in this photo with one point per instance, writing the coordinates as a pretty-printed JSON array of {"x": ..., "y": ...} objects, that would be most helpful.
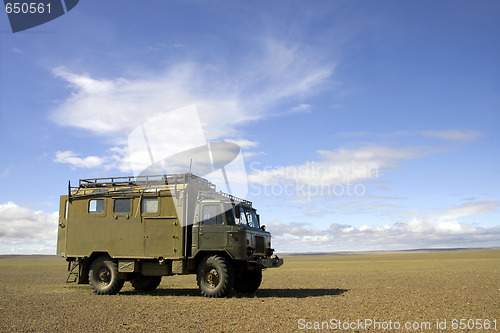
[{"x": 333, "y": 292}]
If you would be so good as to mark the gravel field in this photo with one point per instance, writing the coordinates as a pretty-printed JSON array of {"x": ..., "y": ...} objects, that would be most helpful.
[{"x": 388, "y": 289}]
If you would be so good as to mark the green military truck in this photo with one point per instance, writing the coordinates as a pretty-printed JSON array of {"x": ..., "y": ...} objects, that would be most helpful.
[{"x": 138, "y": 229}]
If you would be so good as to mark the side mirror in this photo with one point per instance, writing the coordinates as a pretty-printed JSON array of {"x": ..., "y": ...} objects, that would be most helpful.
[{"x": 263, "y": 228}]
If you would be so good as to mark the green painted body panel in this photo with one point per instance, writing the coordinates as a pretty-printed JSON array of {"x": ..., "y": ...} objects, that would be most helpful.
[{"x": 215, "y": 238}]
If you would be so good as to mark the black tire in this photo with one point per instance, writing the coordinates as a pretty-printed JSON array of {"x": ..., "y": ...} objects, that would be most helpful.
[
  {"x": 103, "y": 276},
  {"x": 247, "y": 281},
  {"x": 145, "y": 283},
  {"x": 215, "y": 276}
]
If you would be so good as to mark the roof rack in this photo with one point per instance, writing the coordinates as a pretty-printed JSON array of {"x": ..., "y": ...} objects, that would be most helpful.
[
  {"x": 144, "y": 181},
  {"x": 214, "y": 195}
]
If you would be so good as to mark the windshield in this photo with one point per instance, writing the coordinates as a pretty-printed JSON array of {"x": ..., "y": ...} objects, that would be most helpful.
[{"x": 248, "y": 217}]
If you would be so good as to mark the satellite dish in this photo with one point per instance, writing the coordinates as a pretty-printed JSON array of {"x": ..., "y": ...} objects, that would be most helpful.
[{"x": 200, "y": 161}]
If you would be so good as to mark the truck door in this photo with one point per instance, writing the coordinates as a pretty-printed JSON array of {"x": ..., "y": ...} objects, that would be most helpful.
[
  {"x": 211, "y": 230},
  {"x": 63, "y": 224},
  {"x": 161, "y": 237},
  {"x": 162, "y": 233}
]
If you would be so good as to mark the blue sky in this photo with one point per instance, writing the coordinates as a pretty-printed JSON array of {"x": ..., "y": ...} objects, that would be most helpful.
[{"x": 398, "y": 100}]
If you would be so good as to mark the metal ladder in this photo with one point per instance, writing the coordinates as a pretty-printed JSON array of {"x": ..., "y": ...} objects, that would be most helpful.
[{"x": 72, "y": 275}]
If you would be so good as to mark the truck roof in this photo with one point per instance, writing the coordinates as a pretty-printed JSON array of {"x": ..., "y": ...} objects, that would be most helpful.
[{"x": 137, "y": 184}]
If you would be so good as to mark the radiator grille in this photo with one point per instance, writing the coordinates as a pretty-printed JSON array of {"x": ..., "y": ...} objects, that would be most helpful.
[{"x": 260, "y": 244}]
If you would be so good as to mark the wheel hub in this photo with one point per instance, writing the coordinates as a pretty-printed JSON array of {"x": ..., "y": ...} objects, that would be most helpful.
[
  {"x": 104, "y": 276},
  {"x": 212, "y": 277}
]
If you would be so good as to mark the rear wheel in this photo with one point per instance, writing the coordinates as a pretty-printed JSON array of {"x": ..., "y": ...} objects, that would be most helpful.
[
  {"x": 247, "y": 281},
  {"x": 103, "y": 276},
  {"x": 215, "y": 276},
  {"x": 145, "y": 283}
]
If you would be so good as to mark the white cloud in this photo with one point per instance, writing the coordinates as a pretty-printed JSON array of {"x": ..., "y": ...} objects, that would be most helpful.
[
  {"x": 338, "y": 167},
  {"x": 285, "y": 70},
  {"x": 244, "y": 143},
  {"x": 114, "y": 107},
  {"x": 437, "y": 225},
  {"x": 113, "y": 158},
  {"x": 470, "y": 209},
  {"x": 225, "y": 98},
  {"x": 246, "y": 147},
  {"x": 449, "y": 135},
  {"x": 295, "y": 229},
  {"x": 444, "y": 230},
  {"x": 26, "y": 231},
  {"x": 69, "y": 157},
  {"x": 453, "y": 135},
  {"x": 301, "y": 108}
]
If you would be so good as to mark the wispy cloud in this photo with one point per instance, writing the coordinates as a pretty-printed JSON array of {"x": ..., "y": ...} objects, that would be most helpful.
[
  {"x": 338, "y": 166},
  {"x": 453, "y": 135},
  {"x": 113, "y": 158},
  {"x": 244, "y": 143},
  {"x": 448, "y": 134},
  {"x": 443, "y": 230},
  {"x": 71, "y": 158},
  {"x": 301, "y": 108},
  {"x": 225, "y": 96}
]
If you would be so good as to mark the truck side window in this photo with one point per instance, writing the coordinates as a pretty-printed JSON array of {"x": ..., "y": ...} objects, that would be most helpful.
[
  {"x": 121, "y": 206},
  {"x": 149, "y": 205},
  {"x": 96, "y": 206},
  {"x": 212, "y": 214},
  {"x": 229, "y": 213},
  {"x": 242, "y": 220}
]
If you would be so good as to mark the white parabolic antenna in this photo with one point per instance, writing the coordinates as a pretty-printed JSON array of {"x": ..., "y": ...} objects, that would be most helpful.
[{"x": 174, "y": 142}]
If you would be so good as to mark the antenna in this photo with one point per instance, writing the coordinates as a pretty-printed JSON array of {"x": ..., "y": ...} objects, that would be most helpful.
[{"x": 147, "y": 144}]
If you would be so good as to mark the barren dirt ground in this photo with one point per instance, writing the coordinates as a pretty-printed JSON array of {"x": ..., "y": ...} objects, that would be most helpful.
[{"x": 417, "y": 288}]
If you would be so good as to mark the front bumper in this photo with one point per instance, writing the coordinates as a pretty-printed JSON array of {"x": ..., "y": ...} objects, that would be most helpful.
[{"x": 269, "y": 262}]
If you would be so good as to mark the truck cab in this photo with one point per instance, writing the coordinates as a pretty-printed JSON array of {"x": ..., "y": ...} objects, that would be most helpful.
[{"x": 221, "y": 224}]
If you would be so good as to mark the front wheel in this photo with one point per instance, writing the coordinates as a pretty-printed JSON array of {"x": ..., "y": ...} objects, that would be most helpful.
[
  {"x": 103, "y": 276},
  {"x": 215, "y": 276}
]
